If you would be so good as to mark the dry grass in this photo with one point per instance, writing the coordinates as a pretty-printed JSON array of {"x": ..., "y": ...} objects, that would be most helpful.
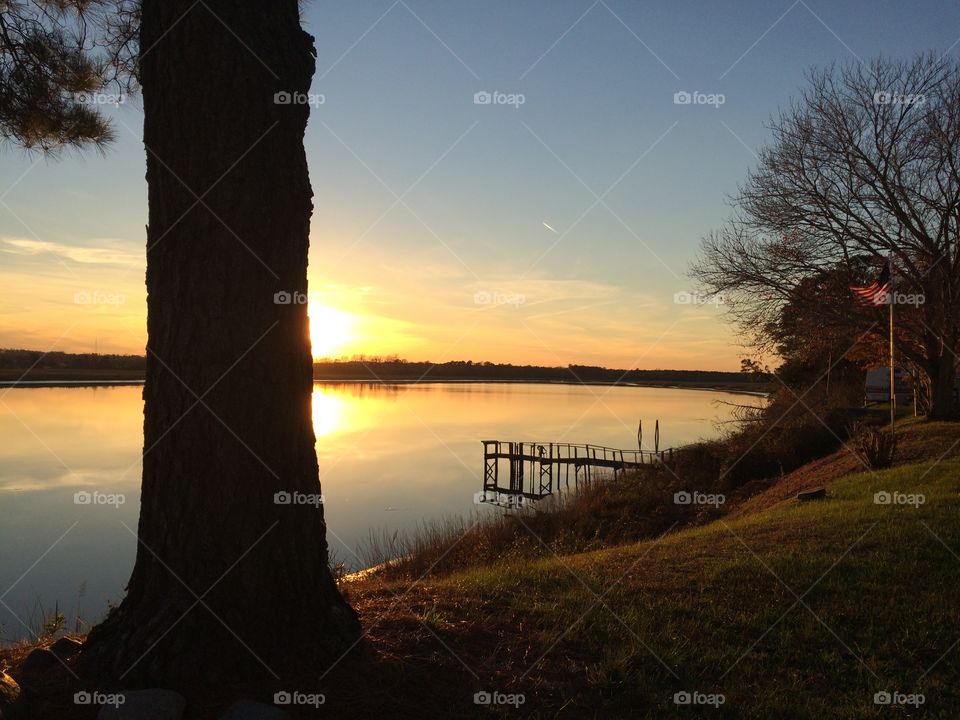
[{"x": 602, "y": 514}]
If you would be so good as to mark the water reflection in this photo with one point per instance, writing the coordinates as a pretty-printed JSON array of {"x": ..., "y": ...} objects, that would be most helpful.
[{"x": 328, "y": 413}]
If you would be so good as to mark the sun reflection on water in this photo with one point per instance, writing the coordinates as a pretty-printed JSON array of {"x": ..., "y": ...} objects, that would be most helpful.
[{"x": 329, "y": 412}]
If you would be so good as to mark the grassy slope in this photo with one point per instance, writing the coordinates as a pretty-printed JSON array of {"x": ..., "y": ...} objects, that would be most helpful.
[{"x": 792, "y": 611}]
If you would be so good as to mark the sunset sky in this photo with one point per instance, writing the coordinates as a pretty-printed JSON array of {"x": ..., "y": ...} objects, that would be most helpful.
[{"x": 554, "y": 231}]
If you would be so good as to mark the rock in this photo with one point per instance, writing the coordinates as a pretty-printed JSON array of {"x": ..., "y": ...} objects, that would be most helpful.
[
  {"x": 9, "y": 690},
  {"x": 812, "y": 494},
  {"x": 66, "y": 647},
  {"x": 254, "y": 711},
  {"x": 39, "y": 660},
  {"x": 150, "y": 704},
  {"x": 11, "y": 702}
]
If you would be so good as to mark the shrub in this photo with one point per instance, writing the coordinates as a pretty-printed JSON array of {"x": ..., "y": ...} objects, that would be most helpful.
[
  {"x": 599, "y": 514},
  {"x": 874, "y": 446}
]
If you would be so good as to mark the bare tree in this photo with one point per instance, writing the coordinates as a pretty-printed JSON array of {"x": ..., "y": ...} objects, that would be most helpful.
[{"x": 864, "y": 164}]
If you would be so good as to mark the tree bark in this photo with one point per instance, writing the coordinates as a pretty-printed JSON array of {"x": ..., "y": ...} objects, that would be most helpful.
[
  {"x": 943, "y": 376},
  {"x": 227, "y": 582}
]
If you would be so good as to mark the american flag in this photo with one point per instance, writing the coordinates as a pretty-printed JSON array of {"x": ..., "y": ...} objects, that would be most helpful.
[{"x": 876, "y": 293}]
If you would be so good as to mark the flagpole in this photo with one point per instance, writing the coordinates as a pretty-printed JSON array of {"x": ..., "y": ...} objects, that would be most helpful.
[{"x": 893, "y": 393}]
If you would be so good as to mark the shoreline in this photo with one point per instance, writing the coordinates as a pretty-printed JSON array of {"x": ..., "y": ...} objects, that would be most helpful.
[{"x": 128, "y": 382}]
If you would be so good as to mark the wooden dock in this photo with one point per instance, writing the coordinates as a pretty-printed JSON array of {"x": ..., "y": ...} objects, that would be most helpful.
[{"x": 535, "y": 470}]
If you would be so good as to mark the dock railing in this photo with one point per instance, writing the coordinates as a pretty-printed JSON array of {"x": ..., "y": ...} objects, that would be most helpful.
[{"x": 537, "y": 469}]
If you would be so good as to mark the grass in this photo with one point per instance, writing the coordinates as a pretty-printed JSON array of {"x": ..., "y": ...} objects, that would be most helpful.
[
  {"x": 602, "y": 514},
  {"x": 46, "y": 624}
]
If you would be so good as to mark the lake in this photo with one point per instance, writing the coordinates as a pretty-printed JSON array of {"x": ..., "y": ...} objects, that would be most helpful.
[{"x": 391, "y": 456}]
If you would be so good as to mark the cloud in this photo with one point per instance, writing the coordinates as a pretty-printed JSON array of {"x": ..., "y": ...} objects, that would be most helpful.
[
  {"x": 85, "y": 477},
  {"x": 106, "y": 252}
]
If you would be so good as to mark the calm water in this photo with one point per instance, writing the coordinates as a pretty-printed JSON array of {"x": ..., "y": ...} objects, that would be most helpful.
[{"x": 390, "y": 457}]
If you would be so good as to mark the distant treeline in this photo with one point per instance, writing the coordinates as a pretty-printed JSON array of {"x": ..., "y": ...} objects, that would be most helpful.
[
  {"x": 59, "y": 364},
  {"x": 23, "y": 359},
  {"x": 395, "y": 369}
]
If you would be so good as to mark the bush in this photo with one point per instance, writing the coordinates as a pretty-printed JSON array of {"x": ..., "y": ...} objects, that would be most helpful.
[
  {"x": 786, "y": 436},
  {"x": 874, "y": 446},
  {"x": 603, "y": 513}
]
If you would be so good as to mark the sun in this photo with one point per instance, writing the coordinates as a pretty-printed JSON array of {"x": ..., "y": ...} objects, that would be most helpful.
[{"x": 331, "y": 330}]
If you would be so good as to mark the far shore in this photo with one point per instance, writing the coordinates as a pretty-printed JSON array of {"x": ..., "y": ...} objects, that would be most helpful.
[{"x": 56, "y": 378}]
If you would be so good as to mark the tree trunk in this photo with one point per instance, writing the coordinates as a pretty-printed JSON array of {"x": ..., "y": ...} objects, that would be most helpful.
[
  {"x": 943, "y": 376},
  {"x": 228, "y": 583}
]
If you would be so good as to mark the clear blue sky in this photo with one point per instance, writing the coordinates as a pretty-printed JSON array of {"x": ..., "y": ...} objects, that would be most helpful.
[{"x": 398, "y": 79}]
